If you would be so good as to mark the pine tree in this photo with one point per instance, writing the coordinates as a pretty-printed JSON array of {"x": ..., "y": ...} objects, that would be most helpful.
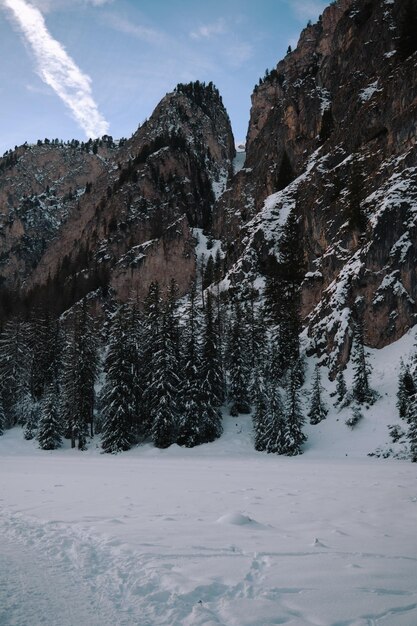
[
  {"x": 318, "y": 410},
  {"x": 191, "y": 426},
  {"x": 208, "y": 272},
  {"x": 2, "y": 418},
  {"x": 217, "y": 269},
  {"x": 44, "y": 345},
  {"x": 50, "y": 427},
  {"x": 276, "y": 424},
  {"x": 355, "y": 417},
  {"x": 135, "y": 342},
  {"x": 32, "y": 415},
  {"x": 256, "y": 334},
  {"x": 406, "y": 391},
  {"x": 212, "y": 365},
  {"x": 118, "y": 398},
  {"x": 412, "y": 429},
  {"x": 238, "y": 358},
  {"x": 294, "y": 436},
  {"x": 261, "y": 414},
  {"x": 341, "y": 389},
  {"x": 165, "y": 385},
  {"x": 79, "y": 373},
  {"x": 14, "y": 367},
  {"x": 361, "y": 391},
  {"x": 152, "y": 334}
]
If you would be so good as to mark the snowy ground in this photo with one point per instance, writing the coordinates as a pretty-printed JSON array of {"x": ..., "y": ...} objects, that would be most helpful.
[{"x": 216, "y": 535}]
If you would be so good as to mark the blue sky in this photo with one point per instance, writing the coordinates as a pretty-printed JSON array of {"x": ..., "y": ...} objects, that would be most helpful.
[{"x": 78, "y": 68}]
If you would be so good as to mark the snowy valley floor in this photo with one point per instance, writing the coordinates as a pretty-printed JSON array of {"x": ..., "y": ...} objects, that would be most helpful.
[
  {"x": 216, "y": 535},
  {"x": 210, "y": 536}
]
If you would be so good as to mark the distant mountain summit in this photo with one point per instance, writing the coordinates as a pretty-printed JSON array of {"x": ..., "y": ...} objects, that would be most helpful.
[{"x": 78, "y": 217}]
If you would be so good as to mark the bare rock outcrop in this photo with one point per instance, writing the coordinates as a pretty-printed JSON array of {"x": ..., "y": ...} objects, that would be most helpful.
[
  {"x": 109, "y": 199},
  {"x": 333, "y": 134}
]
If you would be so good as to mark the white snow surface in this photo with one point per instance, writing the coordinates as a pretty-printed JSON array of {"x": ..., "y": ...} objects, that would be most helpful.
[
  {"x": 215, "y": 535},
  {"x": 367, "y": 93}
]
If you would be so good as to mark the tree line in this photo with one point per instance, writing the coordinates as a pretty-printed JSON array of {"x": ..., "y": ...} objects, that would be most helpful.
[{"x": 160, "y": 372}]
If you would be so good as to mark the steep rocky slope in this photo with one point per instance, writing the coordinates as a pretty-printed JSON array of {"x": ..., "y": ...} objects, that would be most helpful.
[
  {"x": 337, "y": 117},
  {"x": 119, "y": 215},
  {"x": 332, "y": 136}
]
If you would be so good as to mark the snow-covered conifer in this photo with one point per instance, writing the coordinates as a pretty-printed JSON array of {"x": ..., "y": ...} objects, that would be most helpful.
[
  {"x": 151, "y": 335},
  {"x": 261, "y": 414},
  {"x": 50, "y": 426},
  {"x": 212, "y": 365},
  {"x": 406, "y": 391},
  {"x": 318, "y": 409},
  {"x": 118, "y": 398},
  {"x": 238, "y": 358},
  {"x": 191, "y": 426},
  {"x": 355, "y": 417},
  {"x": 2, "y": 418},
  {"x": 412, "y": 428},
  {"x": 294, "y": 418},
  {"x": 32, "y": 415},
  {"x": 14, "y": 367},
  {"x": 361, "y": 390},
  {"x": 341, "y": 389},
  {"x": 79, "y": 373},
  {"x": 276, "y": 424},
  {"x": 164, "y": 388}
]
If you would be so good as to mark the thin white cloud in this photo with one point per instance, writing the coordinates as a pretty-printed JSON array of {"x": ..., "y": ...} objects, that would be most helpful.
[
  {"x": 238, "y": 54},
  {"x": 308, "y": 9},
  {"x": 56, "y": 68},
  {"x": 144, "y": 33},
  {"x": 56, "y": 5},
  {"x": 207, "y": 31}
]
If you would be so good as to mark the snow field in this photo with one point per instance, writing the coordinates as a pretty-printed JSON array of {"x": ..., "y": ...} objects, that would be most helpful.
[
  {"x": 218, "y": 534},
  {"x": 235, "y": 538}
]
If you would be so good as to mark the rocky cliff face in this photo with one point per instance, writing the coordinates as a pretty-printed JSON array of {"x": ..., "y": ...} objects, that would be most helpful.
[
  {"x": 332, "y": 137},
  {"x": 337, "y": 117},
  {"x": 79, "y": 217}
]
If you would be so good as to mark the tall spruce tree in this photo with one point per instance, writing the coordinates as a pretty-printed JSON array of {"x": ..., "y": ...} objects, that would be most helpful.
[
  {"x": 135, "y": 345},
  {"x": 212, "y": 365},
  {"x": 165, "y": 384},
  {"x": 152, "y": 337},
  {"x": 256, "y": 334},
  {"x": 276, "y": 427},
  {"x": 361, "y": 391},
  {"x": 2, "y": 417},
  {"x": 44, "y": 344},
  {"x": 406, "y": 391},
  {"x": 238, "y": 359},
  {"x": 79, "y": 373},
  {"x": 294, "y": 418},
  {"x": 261, "y": 414},
  {"x": 341, "y": 389},
  {"x": 118, "y": 397},
  {"x": 412, "y": 429},
  {"x": 318, "y": 409},
  {"x": 14, "y": 367},
  {"x": 30, "y": 411},
  {"x": 50, "y": 426},
  {"x": 191, "y": 426}
]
